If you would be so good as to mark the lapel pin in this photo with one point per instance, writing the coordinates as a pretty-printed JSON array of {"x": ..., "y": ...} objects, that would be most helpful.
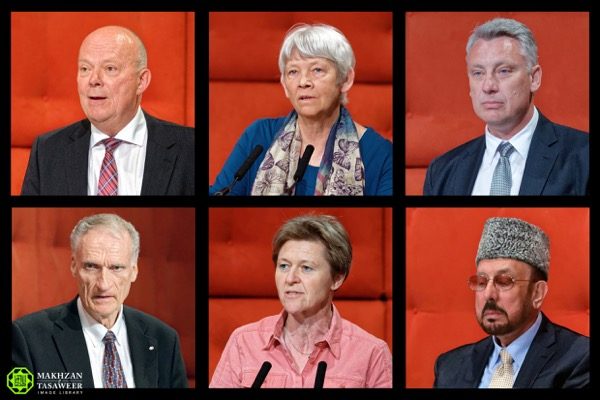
[{"x": 151, "y": 348}]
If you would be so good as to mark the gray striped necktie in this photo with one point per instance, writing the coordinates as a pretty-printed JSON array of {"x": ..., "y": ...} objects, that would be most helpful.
[{"x": 502, "y": 179}]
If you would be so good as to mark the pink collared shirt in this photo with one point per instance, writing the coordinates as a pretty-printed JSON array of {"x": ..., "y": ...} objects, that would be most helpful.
[{"x": 354, "y": 357}]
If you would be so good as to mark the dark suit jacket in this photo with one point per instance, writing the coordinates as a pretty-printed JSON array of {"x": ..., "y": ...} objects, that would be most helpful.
[
  {"x": 52, "y": 340},
  {"x": 58, "y": 163},
  {"x": 558, "y": 163},
  {"x": 557, "y": 358}
]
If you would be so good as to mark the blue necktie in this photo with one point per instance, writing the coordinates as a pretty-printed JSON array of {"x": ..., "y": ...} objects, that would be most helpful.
[
  {"x": 112, "y": 371},
  {"x": 502, "y": 179}
]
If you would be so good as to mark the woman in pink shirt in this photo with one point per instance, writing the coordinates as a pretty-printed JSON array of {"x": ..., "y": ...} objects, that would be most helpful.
[{"x": 308, "y": 344}]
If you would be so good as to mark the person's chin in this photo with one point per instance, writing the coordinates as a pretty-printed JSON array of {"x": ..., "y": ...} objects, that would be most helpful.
[
  {"x": 491, "y": 115},
  {"x": 494, "y": 327},
  {"x": 293, "y": 307},
  {"x": 104, "y": 305},
  {"x": 308, "y": 110}
]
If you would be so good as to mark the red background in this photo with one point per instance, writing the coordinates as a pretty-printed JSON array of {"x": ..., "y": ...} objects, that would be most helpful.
[
  {"x": 439, "y": 114},
  {"x": 441, "y": 245},
  {"x": 242, "y": 274},
  {"x": 244, "y": 74},
  {"x": 44, "y": 70},
  {"x": 165, "y": 287}
]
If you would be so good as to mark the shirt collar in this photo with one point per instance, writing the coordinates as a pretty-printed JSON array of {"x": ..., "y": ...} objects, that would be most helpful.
[
  {"x": 519, "y": 347},
  {"x": 521, "y": 141},
  {"x": 332, "y": 338},
  {"x": 96, "y": 330},
  {"x": 131, "y": 133}
]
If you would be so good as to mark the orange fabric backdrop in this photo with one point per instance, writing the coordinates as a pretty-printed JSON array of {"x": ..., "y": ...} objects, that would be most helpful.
[
  {"x": 244, "y": 74},
  {"x": 44, "y": 67},
  {"x": 242, "y": 275},
  {"x": 439, "y": 114},
  {"x": 441, "y": 245},
  {"x": 165, "y": 287}
]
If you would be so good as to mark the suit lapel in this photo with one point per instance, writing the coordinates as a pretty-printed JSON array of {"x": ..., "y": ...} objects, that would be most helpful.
[
  {"x": 539, "y": 353},
  {"x": 70, "y": 344},
  {"x": 480, "y": 357},
  {"x": 468, "y": 168},
  {"x": 541, "y": 157},
  {"x": 144, "y": 352},
  {"x": 76, "y": 160},
  {"x": 160, "y": 159}
]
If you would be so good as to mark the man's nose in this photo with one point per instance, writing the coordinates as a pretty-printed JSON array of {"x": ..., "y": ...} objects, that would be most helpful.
[
  {"x": 104, "y": 279},
  {"x": 490, "y": 84},
  {"x": 95, "y": 77},
  {"x": 490, "y": 291}
]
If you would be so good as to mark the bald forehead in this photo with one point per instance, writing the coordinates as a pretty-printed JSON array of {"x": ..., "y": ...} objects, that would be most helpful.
[
  {"x": 117, "y": 34},
  {"x": 116, "y": 40}
]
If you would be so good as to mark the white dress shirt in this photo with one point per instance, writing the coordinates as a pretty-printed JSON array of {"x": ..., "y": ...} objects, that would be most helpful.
[
  {"x": 521, "y": 142},
  {"x": 94, "y": 332},
  {"x": 130, "y": 156}
]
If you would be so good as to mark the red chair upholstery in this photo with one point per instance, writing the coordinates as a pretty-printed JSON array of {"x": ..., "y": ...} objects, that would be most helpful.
[
  {"x": 44, "y": 64},
  {"x": 441, "y": 245},
  {"x": 165, "y": 287},
  {"x": 439, "y": 114},
  {"x": 242, "y": 275},
  {"x": 244, "y": 74}
]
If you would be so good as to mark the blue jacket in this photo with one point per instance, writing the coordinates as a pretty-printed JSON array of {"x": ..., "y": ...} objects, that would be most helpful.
[{"x": 376, "y": 153}]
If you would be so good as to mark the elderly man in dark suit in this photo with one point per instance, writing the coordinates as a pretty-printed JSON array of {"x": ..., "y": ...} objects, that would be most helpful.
[
  {"x": 119, "y": 149},
  {"x": 525, "y": 349},
  {"x": 95, "y": 337},
  {"x": 521, "y": 152}
]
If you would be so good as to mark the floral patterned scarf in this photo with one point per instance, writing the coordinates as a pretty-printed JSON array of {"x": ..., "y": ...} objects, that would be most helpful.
[{"x": 341, "y": 172}]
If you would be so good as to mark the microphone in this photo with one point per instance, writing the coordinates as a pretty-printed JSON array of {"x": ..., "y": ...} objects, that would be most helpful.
[
  {"x": 302, "y": 164},
  {"x": 242, "y": 170},
  {"x": 320, "y": 378},
  {"x": 262, "y": 374}
]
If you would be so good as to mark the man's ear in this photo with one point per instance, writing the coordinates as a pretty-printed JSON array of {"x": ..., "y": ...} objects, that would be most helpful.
[
  {"x": 134, "y": 272},
  {"x": 540, "y": 290},
  {"x": 536, "y": 78},
  {"x": 143, "y": 81},
  {"x": 73, "y": 266}
]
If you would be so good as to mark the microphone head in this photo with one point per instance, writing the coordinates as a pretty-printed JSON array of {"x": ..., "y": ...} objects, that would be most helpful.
[
  {"x": 303, "y": 163},
  {"x": 320, "y": 377},
  {"x": 262, "y": 374}
]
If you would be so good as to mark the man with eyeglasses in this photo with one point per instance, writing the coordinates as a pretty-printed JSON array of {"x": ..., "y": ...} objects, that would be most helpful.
[{"x": 525, "y": 349}]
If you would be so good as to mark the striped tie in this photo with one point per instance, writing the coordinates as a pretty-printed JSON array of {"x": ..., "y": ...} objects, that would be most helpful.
[
  {"x": 503, "y": 376},
  {"x": 112, "y": 372},
  {"x": 502, "y": 178},
  {"x": 108, "y": 183}
]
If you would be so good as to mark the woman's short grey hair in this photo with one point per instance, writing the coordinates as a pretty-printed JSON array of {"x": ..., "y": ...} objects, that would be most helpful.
[
  {"x": 109, "y": 221},
  {"x": 319, "y": 40},
  {"x": 324, "y": 229},
  {"x": 499, "y": 27}
]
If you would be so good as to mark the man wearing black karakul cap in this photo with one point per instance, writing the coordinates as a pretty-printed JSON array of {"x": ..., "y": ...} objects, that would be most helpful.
[{"x": 525, "y": 349}]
